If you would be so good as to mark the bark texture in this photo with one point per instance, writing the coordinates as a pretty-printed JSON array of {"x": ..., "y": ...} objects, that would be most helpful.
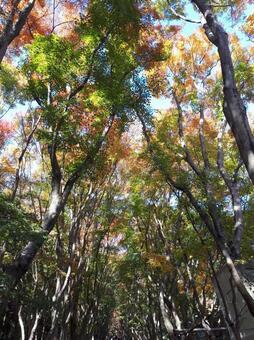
[{"x": 233, "y": 106}]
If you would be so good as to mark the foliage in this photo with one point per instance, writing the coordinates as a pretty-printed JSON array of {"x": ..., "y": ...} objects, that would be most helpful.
[
  {"x": 122, "y": 207},
  {"x": 17, "y": 226}
]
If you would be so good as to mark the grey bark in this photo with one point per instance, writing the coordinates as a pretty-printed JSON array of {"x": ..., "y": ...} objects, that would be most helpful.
[
  {"x": 233, "y": 106},
  {"x": 35, "y": 325},
  {"x": 210, "y": 220},
  {"x": 233, "y": 186},
  {"x": 167, "y": 323},
  {"x": 211, "y": 263},
  {"x": 58, "y": 200}
]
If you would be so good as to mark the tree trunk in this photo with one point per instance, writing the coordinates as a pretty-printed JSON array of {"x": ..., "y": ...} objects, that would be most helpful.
[
  {"x": 233, "y": 106},
  {"x": 25, "y": 258},
  {"x": 11, "y": 29},
  {"x": 167, "y": 323}
]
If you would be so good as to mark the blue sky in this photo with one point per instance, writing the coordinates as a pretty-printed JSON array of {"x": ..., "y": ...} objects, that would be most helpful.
[
  {"x": 163, "y": 103},
  {"x": 231, "y": 27}
]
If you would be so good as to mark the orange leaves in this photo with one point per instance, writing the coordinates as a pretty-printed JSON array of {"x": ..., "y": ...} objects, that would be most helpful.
[
  {"x": 6, "y": 169},
  {"x": 149, "y": 12},
  {"x": 42, "y": 3},
  {"x": 44, "y": 19},
  {"x": 249, "y": 26},
  {"x": 191, "y": 54},
  {"x": 154, "y": 37},
  {"x": 185, "y": 62},
  {"x": 155, "y": 44},
  {"x": 150, "y": 46},
  {"x": 157, "y": 261},
  {"x": 118, "y": 147},
  {"x": 193, "y": 122},
  {"x": 37, "y": 23}
]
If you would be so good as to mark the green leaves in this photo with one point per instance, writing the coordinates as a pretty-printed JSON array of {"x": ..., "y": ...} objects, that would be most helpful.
[
  {"x": 51, "y": 59},
  {"x": 114, "y": 14},
  {"x": 16, "y": 226},
  {"x": 244, "y": 74},
  {"x": 9, "y": 86}
]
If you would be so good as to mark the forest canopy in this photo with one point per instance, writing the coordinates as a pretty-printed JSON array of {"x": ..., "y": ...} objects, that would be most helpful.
[{"x": 126, "y": 167}]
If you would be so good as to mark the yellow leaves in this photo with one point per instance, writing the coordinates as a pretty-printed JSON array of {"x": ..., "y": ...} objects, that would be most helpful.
[
  {"x": 168, "y": 47},
  {"x": 187, "y": 60},
  {"x": 180, "y": 45},
  {"x": 249, "y": 26},
  {"x": 210, "y": 82},
  {"x": 6, "y": 169},
  {"x": 157, "y": 80},
  {"x": 97, "y": 99},
  {"x": 6, "y": 166},
  {"x": 238, "y": 52},
  {"x": 89, "y": 39},
  {"x": 157, "y": 261}
]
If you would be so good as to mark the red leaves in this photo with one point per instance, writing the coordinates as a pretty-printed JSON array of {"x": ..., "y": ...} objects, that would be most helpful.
[{"x": 6, "y": 129}]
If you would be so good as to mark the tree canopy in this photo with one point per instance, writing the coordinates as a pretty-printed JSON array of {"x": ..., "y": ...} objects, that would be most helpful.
[{"x": 127, "y": 167}]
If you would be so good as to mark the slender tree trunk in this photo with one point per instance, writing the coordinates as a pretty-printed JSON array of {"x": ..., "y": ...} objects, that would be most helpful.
[
  {"x": 58, "y": 201},
  {"x": 21, "y": 157},
  {"x": 167, "y": 323},
  {"x": 25, "y": 258},
  {"x": 233, "y": 106},
  {"x": 210, "y": 220},
  {"x": 233, "y": 187},
  {"x": 35, "y": 325}
]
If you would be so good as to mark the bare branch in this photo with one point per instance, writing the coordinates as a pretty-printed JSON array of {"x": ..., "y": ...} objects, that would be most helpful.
[
  {"x": 182, "y": 139},
  {"x": 182, "y": 16}
]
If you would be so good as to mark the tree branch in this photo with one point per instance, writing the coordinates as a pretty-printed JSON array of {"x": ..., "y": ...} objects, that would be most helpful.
[
  {"x": 182, "y": 16},
  {"x": 233, "y": 106},
  {"x": 90, "y": 69}
]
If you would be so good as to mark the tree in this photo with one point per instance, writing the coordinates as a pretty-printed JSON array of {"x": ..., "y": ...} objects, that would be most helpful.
[
  {"x": 13, "y": 17},
  {"x": 58, "y": 91},
  {"x": 114, "y": 216},
  {"x": 183, "y": 83},
  {"x": 233, "y": 106}
]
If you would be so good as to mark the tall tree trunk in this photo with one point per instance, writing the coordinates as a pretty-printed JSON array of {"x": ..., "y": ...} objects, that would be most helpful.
[{"x": 233, "y": 106}]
